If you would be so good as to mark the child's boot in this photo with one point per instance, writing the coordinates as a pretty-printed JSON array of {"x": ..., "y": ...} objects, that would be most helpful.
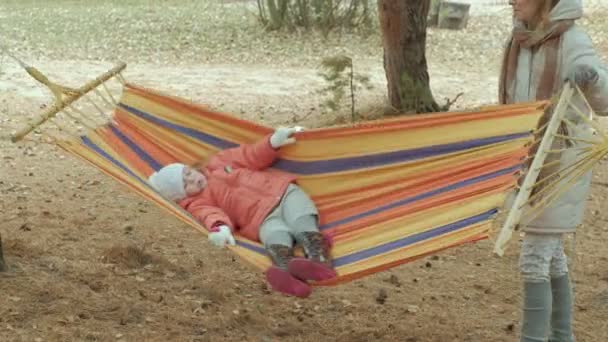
[
  {"x": 537, "y": 311},
  {"x": 279, "y": 277},
  {"x": 561, "y": 314},
  {"x": 317, "y": 265}
]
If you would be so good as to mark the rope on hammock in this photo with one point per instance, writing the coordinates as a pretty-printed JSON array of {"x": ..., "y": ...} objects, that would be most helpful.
[
  {"x": 103, "y": 97},
  {"x": 64, "y": 96},
  {"x": 70, "y": 97},
  {"x": 534, "y": 194}
]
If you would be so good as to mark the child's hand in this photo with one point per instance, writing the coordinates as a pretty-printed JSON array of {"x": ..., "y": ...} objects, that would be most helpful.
[
  {"x": 222, "y": 237},
  {"x": 283, "y": 136}
]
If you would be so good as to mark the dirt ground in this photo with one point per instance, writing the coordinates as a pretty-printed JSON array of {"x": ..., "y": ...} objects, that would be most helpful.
[{"x": 90, "y": 261}]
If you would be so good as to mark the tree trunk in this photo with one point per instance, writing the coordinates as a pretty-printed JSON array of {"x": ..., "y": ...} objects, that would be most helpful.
[
  {"x": 403, "y": 24},
  {"x": 2, "y": 264},
  {"x": 277, "y": 10}
]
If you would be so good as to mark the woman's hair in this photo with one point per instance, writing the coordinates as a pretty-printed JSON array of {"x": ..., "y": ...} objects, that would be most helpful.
[{"x": 542, "y": 17}]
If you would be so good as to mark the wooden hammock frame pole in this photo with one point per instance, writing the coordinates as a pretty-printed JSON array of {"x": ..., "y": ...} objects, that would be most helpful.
[
  {"x": 516, "y": 211},
  {"x": 65, "y": 102}
]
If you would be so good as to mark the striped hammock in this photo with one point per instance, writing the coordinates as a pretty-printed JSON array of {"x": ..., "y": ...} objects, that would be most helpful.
[{"x": 388, "y": 191}]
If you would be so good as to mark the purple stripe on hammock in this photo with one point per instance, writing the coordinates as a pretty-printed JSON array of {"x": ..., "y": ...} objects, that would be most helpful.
[
  {"x": 413, "y": 239},
  {"x": 355, "y": 257},
  {"x": 340, "y": 164},
  {"x": 397, "y": 244},
  {"x": 405, "y": 201}
]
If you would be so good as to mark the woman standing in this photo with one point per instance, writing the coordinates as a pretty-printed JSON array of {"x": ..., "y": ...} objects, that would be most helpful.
[{"x": 547, "y": 49}]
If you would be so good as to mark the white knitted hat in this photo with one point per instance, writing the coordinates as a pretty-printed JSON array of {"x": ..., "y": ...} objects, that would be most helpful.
[{"x": 169, "y": 181}]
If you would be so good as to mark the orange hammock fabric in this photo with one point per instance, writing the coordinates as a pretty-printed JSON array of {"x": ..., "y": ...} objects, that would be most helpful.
[{"x": 388, "y": 191}]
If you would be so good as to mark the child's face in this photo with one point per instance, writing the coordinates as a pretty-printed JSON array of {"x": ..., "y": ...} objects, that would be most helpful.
[{"x": 194, "y": 181}]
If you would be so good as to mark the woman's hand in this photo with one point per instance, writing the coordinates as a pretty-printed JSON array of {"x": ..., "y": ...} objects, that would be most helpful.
[{"x": 584, "y": 76}]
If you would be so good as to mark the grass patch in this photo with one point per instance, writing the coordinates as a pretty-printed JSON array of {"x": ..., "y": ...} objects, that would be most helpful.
[{"x": 172, "y": 32}]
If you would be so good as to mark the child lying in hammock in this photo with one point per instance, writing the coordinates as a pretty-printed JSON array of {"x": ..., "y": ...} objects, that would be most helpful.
[{"x": 236, "y": 192}]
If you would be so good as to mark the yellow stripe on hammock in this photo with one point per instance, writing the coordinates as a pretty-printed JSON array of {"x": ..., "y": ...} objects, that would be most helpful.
[{"x": 189, "y": 133}]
